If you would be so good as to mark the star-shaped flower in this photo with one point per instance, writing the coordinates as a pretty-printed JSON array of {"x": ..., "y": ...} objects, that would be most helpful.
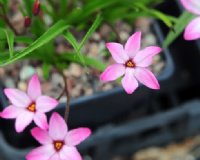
[
  {"x": 28, "y": 107},
  {"x": 57, "y": 143},
  {"x": 192, "y": 31},
  {"x": 133, "y": 63}
]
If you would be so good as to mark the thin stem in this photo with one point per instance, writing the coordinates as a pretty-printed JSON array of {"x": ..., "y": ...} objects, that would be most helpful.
[
  {"x": 66, "y": 91},
  {"x": 8, "y": 21},
  {"x": 61, "y": 94}
]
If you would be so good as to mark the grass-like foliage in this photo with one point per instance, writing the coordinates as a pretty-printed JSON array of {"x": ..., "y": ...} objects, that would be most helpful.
[{"x": 83, "y": 15}]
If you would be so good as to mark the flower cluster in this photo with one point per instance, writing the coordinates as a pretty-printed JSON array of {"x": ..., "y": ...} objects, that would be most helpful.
[{"x": 58, "y": 142}]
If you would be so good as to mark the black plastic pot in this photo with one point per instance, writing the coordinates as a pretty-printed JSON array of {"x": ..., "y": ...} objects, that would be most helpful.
[{"x": 98, "y": 112}]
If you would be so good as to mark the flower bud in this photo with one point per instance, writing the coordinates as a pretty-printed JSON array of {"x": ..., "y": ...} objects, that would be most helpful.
[
  {"x": 27, "y": 21},
  {"x": 36, "y": 8}
]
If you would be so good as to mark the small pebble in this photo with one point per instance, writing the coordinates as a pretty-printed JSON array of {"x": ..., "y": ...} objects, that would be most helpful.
[
  {"x": 107, "y": 87},
  {"x": 143, "y": 24},
  {"x": 149, "y": 40},
  {"x": 75, "y": 70},
  {"x": 76, "y": 90},
  {"x": 158, "y": 67},
  {"x": 94, "y": 50},
  {"x": 2, "y": 72},
  {"x": 26, "y": 72},
  {"x": 124, "y": 36},
  {"x": 47, "y": 87},
  {"x": 22, "y": 85},
  {"x": 105, "y": 30},
  {"x": 17, "y": 20},
  {"x": 96, "y": 36},
  {"x": 157, "y": 58},
  {"x": 39, "y": 72},
  {"x": 9, "y": 83},
  {"x": 48, "y": 19},
  {"x": 88, "y": 90},
  {"x": 57, "y": 80}
]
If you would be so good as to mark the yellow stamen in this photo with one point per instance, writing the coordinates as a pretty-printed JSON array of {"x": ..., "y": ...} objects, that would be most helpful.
[
  {"x": 130, "y": 63},
  {"x": 58, "y": 145},
  {"x": 32, "y": 107}
]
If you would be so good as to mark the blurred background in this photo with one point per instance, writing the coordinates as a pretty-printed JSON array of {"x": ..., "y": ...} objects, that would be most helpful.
[{"x": 147, "y": 125}]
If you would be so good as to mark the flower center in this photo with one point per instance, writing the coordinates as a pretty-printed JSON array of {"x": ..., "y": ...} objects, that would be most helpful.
[
  {"x": 130, "y": 64},
  {"x": 32, "y": 107},
  {"x": 58, "y": 145}
]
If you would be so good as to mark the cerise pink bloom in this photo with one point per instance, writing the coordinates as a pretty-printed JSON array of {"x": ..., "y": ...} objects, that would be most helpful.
[
  {"x": 57, "y": 143},
  {"x": 133, "y": 63},
  {"x": 192, "y": 31},
  {"x": 28, "y": 107}
]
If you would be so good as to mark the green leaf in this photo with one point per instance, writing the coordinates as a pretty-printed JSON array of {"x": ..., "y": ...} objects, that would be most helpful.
[
  {"x": 3, "y": 35},
  {"x": 72, "y": 40},
  {"x": 92, "y": 29},
  {"x": 5, "y": 5},
  {"x": 63, "y": 7},
  {"x": 9, "y": 35},
  {"x": 29, "y": 6},
  {"x": 157, "y": 14},
  {"x": 163, "y": 17},
  {"x": 181, "y": 23},
  {"x": 4, "y": 2},
  {"x": 10, "y": 39},
  {"x": 50, "y": 34},
  {"x": 23, "y": 39}
]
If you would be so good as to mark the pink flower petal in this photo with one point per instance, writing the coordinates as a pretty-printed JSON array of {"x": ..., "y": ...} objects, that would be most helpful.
[
  {"x": 57, "y": 127},
  {"x": 55, "y": 157},
  {"x": 23, "y": 120},
  {"x": 41, "y": 136},
  {"x": 34, "y": 88},
  {"x": 129, "y": 82},
  {"x": 70, "y": 153},
  {"x": 45, "y": 104},
  {"x": 112, "y": 72},
  {"x": 41, "y": 120},
  {"x": 10, "y": 112},
  {"x": 144, "y": 57},
  {"x": 132, "y": 46},
  {"x": 147, "y": 78},
  {"x": 76, "y": 136},
  {"x": 192, "y": 6},
  {"x": 41, "y": 153},
  {"x": 17, "y": 97},
  {"x": 117, "y": 51},
  {"x": 192, "y": 31}
]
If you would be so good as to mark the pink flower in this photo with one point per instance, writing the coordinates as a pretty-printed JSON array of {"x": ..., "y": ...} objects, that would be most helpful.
[
  {"x": 192, "y": 31},
  {"x": 28, "y": 107},
  {"x": 132, "y": 63},
  {"x": 58, "y": 143}
]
